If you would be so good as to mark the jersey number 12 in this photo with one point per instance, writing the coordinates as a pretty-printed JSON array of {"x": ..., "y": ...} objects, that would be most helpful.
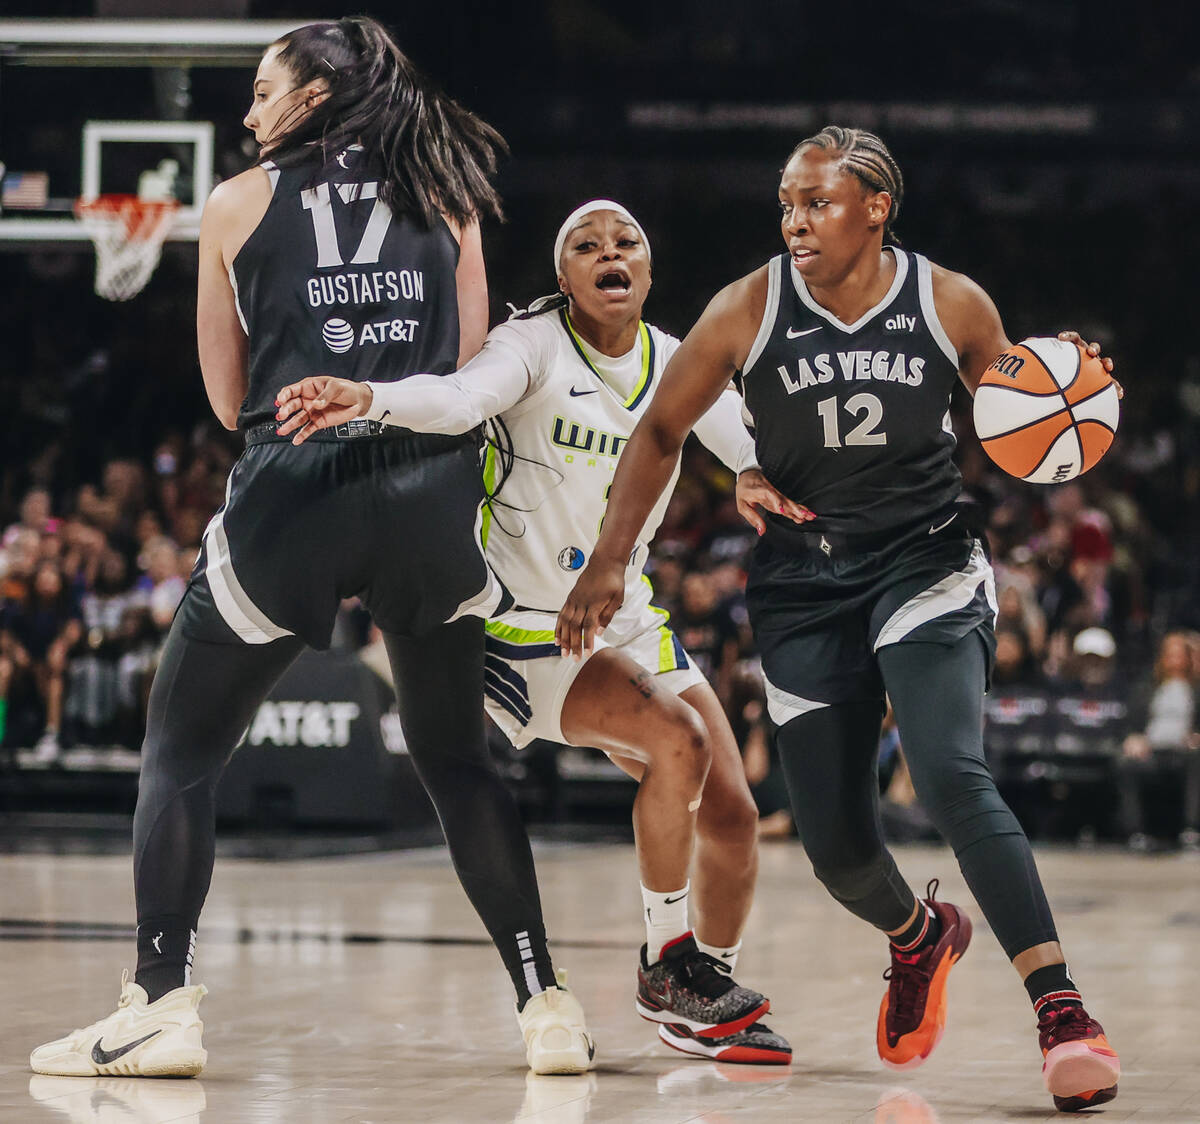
[
  {"x": 318, "y": 203},
  {"x": 866, "y": 408}
]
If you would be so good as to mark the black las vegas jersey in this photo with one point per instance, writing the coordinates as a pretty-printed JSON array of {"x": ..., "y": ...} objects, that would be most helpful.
[
  {"x": 331, "y": 282},
  {"x": 853, "y": 420}
]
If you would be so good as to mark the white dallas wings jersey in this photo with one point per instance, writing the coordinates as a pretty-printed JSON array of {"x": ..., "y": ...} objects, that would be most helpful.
[{"x": 568, "y": 431}]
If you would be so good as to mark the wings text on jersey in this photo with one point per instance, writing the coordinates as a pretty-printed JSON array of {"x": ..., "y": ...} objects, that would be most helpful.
[
  {"x": 586, "y": 439},
  {"x": 852, "y": 366}
]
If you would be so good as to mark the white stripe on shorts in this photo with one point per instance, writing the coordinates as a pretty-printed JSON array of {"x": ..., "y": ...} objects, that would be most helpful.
[
  {"x": 251, "y": 624},
  {"x": 487, "y": 600},
  {"x": 782, "y": 706},
  {"x": 953, "y": 592}
]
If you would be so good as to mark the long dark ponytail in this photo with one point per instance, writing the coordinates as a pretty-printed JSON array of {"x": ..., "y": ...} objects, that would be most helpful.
[{"x": 436, "y": 156}]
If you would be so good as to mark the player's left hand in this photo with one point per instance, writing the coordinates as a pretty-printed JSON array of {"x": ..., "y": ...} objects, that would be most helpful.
[
  {"x": 1093, "y": 349},
  {"x": 319, "y": 402},
  {"x": 754, "y": 490},
  {"x": 598, "y": 594}
]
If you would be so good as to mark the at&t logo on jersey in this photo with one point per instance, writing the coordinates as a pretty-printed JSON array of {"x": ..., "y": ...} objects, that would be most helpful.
[
  {"x": 571, "y": 558},
  {"x": 338, "y": 335}
]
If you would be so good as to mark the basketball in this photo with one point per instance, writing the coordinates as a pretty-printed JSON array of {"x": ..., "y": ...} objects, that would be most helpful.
[{"x": 1046, "y": 411}]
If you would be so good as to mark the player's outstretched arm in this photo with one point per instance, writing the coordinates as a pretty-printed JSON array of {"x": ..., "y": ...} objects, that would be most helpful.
[
  {"x": 494, "y": 380},
  {"x": 695, "y": 377}
]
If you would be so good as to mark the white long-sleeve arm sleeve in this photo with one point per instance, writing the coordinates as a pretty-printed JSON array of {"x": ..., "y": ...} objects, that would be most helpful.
[
  {"x": 723, "y": 432},
  {"x": 493, "y": 381}
]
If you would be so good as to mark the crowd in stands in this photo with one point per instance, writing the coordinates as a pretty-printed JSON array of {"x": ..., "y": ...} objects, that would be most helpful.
[
  {"x": 89, "y": 582},
  {"x": 1092, "y": 717}
]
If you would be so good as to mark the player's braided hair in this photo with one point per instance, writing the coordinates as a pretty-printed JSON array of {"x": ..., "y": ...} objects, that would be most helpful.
[
  {"x": 866, "y": 157},
  {"x": 435, "y": 155}
]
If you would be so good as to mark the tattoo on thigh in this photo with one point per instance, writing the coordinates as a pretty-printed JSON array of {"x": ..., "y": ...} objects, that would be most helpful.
[{"x": 644, "y": 682}]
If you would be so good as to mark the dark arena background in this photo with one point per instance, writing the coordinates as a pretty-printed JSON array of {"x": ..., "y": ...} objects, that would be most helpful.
[{"x": 1051, "y": 151}]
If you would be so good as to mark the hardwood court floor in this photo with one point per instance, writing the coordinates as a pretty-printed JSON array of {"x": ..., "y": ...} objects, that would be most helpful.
[{"x": 362, "y": 989}]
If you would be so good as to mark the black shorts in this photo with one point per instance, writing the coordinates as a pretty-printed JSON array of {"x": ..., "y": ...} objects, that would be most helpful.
[
  {"x": 821, "y": 614},
  {"x": 392, "y": 520}
]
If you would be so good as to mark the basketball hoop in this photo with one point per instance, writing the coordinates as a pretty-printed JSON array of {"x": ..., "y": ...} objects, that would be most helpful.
[{"x": 128, "y": 233}]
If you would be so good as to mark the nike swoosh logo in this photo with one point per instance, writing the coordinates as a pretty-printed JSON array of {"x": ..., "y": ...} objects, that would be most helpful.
[
  {"x": 792, "y": 334},
  {"x": 942, "y": 526},
  {"x": 580, "y": 393},
  {"x": 672, "y": 901},
  {"x": 102, "y": 1056}
]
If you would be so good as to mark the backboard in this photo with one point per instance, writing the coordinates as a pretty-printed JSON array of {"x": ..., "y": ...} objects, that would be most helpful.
[{"x": 94, "y": 103}]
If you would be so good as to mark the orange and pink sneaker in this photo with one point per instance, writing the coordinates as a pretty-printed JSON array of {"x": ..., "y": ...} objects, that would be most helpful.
[
  {"x": 1080, "y": 1068},
  {"x": 912, "y": 1015}
]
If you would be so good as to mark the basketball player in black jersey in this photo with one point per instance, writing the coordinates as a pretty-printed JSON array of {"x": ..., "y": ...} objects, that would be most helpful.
[
  {"x": 846, "y": 352},
  {"x": 352, "y": 247}
]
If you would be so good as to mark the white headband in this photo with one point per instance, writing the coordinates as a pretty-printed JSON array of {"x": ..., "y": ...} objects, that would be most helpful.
[{"x": 587, "y": 209}]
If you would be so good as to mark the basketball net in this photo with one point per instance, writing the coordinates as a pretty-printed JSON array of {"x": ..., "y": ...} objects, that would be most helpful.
[{"x": 128, "y": 234}]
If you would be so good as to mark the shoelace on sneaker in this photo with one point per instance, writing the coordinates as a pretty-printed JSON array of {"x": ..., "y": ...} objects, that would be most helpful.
[
  {"x": 909, "y": 981},
  {"x": 704, "y": 975},
  {"x": 1061, "y": 1023}
]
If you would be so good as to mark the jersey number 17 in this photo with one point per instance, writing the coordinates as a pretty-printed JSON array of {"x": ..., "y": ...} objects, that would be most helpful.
[{"x": 318, "y": 203}]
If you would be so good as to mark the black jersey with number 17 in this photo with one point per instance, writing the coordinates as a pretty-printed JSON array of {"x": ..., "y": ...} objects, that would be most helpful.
[
  {"x": 853, "y": 419},
  {"x": 331, "y": 282}
]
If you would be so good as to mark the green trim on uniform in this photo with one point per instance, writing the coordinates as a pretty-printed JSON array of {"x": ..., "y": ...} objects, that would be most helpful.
[
  {"x": 647, "y": 373},
  {"x": 489, "y": 483},
  {"x": 667, "y": 660},
  {"x": 666, "y": 616},
  {"x": 519, "y": 635},
  {"x": 666, "y": 650}
]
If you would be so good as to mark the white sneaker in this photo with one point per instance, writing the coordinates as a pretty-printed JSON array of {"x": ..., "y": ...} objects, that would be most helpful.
[
  {"x": 47, "y": 750},
  {"x": 556, "y": 1036},
  {"x": 139, "y": 1039}
]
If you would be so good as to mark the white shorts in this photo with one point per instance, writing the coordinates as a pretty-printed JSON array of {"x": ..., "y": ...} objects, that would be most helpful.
[{"x": 527, "y": 680}]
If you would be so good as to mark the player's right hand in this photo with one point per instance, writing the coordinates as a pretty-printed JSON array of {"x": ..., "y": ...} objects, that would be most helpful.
[
  {"x": 319, "y": 402},
  {"x": 593, "y": 602},
  {"x": 754, "y": 490}
]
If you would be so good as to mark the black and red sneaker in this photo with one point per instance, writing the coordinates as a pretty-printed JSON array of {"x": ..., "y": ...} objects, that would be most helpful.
[
  {"x": 912, "y": 1015},
  {"x": 688, "y": 987},
  {"x": 1080, "y": 1067},
  {"x": 756, "y": 1045}
]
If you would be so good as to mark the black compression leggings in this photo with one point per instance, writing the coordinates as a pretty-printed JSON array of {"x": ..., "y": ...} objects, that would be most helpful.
[
  {"x": 830, "y": 763},
  {"x": 205, "y": 695},
  {"x": 439, "y": 685}
]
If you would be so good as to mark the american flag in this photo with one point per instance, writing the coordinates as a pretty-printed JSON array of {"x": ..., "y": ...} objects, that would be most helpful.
[{"x": 26, "y": 191}]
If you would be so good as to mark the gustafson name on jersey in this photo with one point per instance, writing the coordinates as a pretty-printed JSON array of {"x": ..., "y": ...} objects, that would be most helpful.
[
  {"x": 852, "y": 366},
  {"x": 379, "y": 286}
]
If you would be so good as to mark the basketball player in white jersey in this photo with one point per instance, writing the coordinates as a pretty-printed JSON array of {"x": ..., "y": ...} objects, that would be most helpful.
[{"x": 567, "y": 380}]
